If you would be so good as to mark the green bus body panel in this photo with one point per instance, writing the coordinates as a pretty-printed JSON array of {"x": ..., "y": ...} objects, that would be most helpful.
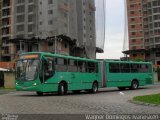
[
  {"x": 74, "y": 80},
  {"x": 125, "y": 79}
]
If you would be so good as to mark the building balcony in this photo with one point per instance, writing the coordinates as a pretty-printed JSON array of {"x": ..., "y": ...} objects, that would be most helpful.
[{"x": 92, "y": 7}]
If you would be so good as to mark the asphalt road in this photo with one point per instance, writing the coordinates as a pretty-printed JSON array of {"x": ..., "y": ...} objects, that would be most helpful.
[{"x": 106, "y": 101}]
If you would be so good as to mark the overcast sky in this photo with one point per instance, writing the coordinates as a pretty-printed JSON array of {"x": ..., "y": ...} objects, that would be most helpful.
[{"x": 114, "y": 30}]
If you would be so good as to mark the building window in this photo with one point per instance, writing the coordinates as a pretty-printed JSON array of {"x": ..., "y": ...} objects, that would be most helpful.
[
  {"x": 30, "y": 28},
  {"x": 132, "y": 19},
  {"x": 20, "y": 36},
  {"x": 20, "y": 1},
  {"x": 30, "y": 8},
  {"x": 134, "y": 55},
  {"x": 20, "y": 18},
  {"x": 133, "y": 33},
  {"x": 131, "y": 6},
  {"x": 50, "y": 22},
  {"x": 30, "y": 1},
  {"x": 20, "y": 9},
  {"x": 30, "y": 18},
  {"x": 20, "y": 28},
  {"x": 131, "y": 12},
  {"x": 50, "y": 1},
  {"x": 132, "y": 26},
  {"x": 133, "y": 40},
  {"x": 65, "y": 25},
  {"x": 40, "y": 22},
  {"x": 50, "y": 12},
  {"x": 65, "y": 15},
  {"x": 134, "y": 48},
  {"x": 66, "y": 45}
]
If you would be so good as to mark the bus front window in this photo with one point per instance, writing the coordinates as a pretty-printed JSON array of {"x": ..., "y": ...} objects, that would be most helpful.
[{"x": 27, "y": 70}]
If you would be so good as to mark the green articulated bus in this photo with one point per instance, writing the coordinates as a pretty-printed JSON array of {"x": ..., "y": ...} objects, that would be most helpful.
[{"x": 46, "y": 73}]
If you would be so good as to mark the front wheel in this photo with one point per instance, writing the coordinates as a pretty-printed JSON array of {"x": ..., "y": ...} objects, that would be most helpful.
[
  {"x": 134, "y": 85},
  {"x": 94, "y": 87},
  {"x": 62, "y": 89}
]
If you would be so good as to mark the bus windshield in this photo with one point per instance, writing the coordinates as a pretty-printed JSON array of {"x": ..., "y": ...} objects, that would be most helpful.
[{"x": 27, "y": 70}]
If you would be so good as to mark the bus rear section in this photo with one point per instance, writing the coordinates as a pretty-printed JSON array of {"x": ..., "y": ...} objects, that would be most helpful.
[{"x": 128, "y": 74}]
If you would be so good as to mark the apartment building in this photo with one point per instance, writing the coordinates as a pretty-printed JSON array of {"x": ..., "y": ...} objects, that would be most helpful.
[
  {"x": 48, "y": 25},
  {"x": 144, "y": 30},
  {"x": 6, "y": 29}
]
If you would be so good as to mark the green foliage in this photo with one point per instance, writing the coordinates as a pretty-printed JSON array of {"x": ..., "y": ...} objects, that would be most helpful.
[{"x": 152, "y": 99}]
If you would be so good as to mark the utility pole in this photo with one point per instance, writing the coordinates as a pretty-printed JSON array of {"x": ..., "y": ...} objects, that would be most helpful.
[{"x": 55, "y": 46}]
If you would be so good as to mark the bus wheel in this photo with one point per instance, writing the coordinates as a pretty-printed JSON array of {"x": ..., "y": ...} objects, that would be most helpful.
[
  {"x": 134, "y": 84},
  {"x": 121, "y": 88},
  {"x": 39, "y": 93},
  {"x": 95, "y": 87},
  {"x": 62, "y": 89}
]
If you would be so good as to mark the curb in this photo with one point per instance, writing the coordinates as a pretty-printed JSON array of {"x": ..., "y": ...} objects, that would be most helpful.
[
  {"x": 142, "y": 103},
  {"x": 5, "y": 91}
]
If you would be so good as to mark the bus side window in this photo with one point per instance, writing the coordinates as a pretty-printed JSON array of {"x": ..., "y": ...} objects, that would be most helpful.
[
  {"x": 144, "y": 68},
  {"x": 61, "y": 64},
  {"x": 72, "y": 65},
  {"x": 125, "y": 67},
  {"x": 80, "y": 66},
  {"x": 91, "y": 67},
  {"x": 114, "y": 68},
  {"x": 134, "y": 68}
]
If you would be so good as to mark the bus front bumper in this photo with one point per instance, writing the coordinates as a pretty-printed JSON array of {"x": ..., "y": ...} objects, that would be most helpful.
[{"x": 28, "y": 88}]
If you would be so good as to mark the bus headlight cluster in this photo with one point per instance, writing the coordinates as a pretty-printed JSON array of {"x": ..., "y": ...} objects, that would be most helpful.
[{"x": 35, "y": 84}]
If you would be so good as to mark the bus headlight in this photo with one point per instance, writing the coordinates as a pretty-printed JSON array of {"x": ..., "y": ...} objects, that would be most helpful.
[{"x": 35, "y": 84}]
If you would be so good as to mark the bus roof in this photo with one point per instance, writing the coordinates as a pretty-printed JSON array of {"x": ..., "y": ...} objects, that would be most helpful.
[
  {"x": 59, "y": 55},
  {"x": 119, "y": 61}
]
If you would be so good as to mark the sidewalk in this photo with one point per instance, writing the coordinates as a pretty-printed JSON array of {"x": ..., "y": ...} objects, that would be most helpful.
[
  {"x": 5, "y": 91},
  {"x": 156, "y": 83}
]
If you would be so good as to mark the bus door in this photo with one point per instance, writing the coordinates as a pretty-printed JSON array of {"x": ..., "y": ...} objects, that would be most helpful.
[
  {"x": 74, "y": 75},
  {"x": 46, "y": 70}
]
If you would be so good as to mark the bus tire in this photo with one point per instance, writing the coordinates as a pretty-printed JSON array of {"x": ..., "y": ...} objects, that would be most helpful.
[
  {"x": 134, "y": 85},
  {"x": 40, "y": 93},
  {"x": 94, "y": 87},
  {"x": 62, "y": 89},
  {"x": 121, "y": 88}
]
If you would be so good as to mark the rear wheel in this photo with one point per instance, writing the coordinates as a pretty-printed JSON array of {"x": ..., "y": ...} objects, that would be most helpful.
[
  {"x": 94, "y": 87},
  {"x": 40, "y": 93},
  {"x": 134, "y": 85},
  {"x": 62, "y": 89}
]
